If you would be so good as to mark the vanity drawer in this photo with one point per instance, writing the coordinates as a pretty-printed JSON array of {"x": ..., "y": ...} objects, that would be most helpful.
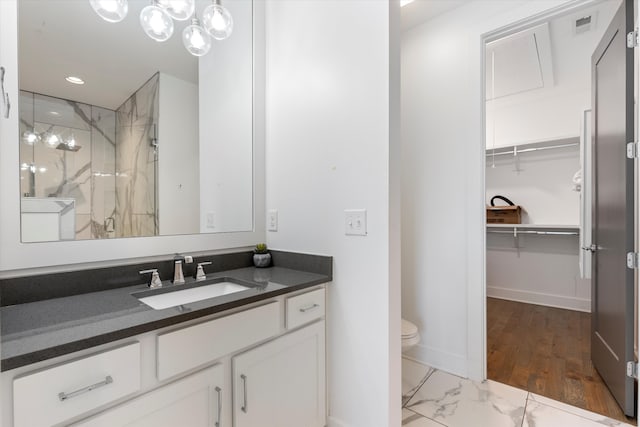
[
  {"x": 188, "y": 348},
  {"x": 305, "y": 308},
  {"x": 56, "y": 394}
]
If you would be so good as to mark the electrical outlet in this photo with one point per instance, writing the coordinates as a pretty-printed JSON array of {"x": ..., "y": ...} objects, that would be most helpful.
[
  {"x": 272, "y": 220},
  {"x": 355, "y": 222},
  {"x": 211, "y": 220}
]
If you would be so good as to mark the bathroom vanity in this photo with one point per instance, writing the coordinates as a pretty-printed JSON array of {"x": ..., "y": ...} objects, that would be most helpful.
[{"x": 255, "y": 357}]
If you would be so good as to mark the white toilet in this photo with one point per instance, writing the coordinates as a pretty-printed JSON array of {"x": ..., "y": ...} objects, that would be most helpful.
[{"x": 410, "y": 335}]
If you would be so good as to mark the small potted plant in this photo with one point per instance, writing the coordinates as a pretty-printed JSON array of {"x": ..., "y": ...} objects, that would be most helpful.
[{"x": 261, "y": 256}]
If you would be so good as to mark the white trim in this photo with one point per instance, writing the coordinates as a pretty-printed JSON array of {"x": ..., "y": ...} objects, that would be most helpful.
[
  {"x": 449, "y": 362},
  {"x": 548, "y": 300},
  {"x": 333, "y": 422}
]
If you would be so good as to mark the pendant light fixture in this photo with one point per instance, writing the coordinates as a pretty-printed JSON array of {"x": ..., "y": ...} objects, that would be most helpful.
[
  {"x": 180, "y": 10},
  {"x": 156, "y": 22},
  {"x": 196, "y": 39},
  {"x": 217, "y": 20},
  {"x": 110, "y": 10}
]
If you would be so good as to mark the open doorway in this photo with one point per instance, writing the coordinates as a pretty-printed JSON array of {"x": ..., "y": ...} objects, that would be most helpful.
[{"x": 538, "y": 115}]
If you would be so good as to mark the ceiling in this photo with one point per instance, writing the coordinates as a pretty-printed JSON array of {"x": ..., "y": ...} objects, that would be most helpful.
[
  {"x": 520, "y": 62},
  {"x": 59, "y": 38},
  {"x": 420, "y": 11}
]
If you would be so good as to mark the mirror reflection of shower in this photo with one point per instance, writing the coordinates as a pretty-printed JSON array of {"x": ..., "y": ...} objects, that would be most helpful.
[{"x": 93, "y": 156}]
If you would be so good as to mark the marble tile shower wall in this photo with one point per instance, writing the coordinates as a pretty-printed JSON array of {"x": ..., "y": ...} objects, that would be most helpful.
[
  {"x": 86, "y": 175},
  {"x": 136, "y": 163}
]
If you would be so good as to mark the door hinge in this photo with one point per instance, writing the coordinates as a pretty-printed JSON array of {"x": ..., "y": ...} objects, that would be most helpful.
[
  {"x": 633, "y": 150},
  {"x": 633, "y": 39},
  {"x": 632, "y": 370},
  {"x": 633, "y": 260}
]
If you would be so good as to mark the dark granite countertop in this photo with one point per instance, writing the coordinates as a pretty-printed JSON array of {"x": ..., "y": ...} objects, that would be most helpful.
[{"x": 40, "y": 330}]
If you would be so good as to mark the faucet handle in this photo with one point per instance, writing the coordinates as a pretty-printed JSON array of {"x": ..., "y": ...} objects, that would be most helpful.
[
  {"x": 200, "y": 271},
  {"x": 155, "y": 278}
]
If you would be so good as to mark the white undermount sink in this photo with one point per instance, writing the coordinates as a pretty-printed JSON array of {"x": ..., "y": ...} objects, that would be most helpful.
[{"x": 186, "y": 296}]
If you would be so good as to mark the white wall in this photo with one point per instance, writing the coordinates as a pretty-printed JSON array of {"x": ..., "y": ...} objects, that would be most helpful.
[
  {"x": 328, "y": 149},
  {"x": 556, "y": 111},
  {"x": 541, "y": 182},
  {"x": 542, "y": 269},
  {"x": 537, "y": 269},
  {"x": 443, "y": 197},
  {"x": 225, "y": 75},
  {"x": 178, "y": 157}
]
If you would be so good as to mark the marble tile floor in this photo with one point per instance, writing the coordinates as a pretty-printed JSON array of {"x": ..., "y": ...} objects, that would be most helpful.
[{"x": 433, "y": 398}]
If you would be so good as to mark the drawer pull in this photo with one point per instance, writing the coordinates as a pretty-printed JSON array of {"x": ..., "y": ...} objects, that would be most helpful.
[
  {"x": 64, "y": 396},
  {"x": 311, "y": 307},
  {"x": 219, "y": 391},
  {"x": 245, "y": 404}
]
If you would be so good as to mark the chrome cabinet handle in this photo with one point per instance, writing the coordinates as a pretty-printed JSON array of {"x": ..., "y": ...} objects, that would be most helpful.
[
  {"x": 219, "y": 391},
  {"x": 311, "y": 307},
  {"x": 5, "y": 96},
  {"x": 245, "y": 404},
  {"x": 64, "y": 396}
]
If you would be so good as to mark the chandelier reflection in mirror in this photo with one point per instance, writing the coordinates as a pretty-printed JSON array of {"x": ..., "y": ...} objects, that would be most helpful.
[{"x": 157, "y": 21}]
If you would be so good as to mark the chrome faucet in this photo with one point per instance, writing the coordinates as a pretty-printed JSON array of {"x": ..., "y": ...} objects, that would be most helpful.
[
  {"x": 178, "y": 275},
  {"x": 200, "y": 276},
  {"x": 155, "y": 278}
]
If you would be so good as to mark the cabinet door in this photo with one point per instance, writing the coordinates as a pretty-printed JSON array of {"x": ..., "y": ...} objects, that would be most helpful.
[
  {"x": 282, "y": 383},
  {"x": 195, "y": 401}
]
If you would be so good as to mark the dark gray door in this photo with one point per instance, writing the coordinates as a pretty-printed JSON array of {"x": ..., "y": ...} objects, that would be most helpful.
[{"x": 613, "y": 196}]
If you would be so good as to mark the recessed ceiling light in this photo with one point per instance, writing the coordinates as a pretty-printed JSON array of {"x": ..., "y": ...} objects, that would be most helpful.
[
  {"x": 54, "y": 113},
  {"x": 75, "y": 80},
  {"x": 405, "y": 2}
]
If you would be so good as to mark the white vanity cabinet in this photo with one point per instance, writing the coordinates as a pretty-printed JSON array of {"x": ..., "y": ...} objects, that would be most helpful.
[
  {"x": 194, "y": 401},
  {"x": 282, "y": 383},
  {"x": 257, "y": 366},
  {"x": 59, "y": 393}
]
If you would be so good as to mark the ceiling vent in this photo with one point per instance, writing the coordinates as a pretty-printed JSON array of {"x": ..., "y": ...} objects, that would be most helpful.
[{"x": 584, "y": 23}]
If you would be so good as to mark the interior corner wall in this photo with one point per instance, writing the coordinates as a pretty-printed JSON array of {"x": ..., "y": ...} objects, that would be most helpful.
[
  {"x": 178, "y": 178},
  {"x": 327, "y": 150},
  {"x": 443, "y": 238}
]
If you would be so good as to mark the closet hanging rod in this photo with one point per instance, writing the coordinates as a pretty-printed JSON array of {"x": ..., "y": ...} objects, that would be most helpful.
[
  {"x": 515, "y": 151},
  {"x": 541, "y": 233}
]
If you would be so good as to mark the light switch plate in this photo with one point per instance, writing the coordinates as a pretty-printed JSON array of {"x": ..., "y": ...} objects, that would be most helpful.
[
  {"x": 211, "y": 220},
  {"x": 272, "y": 220},
  {"x": 355, "y": 222}
]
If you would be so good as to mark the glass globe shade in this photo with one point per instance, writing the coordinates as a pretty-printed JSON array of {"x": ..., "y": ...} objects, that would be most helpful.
[
  {"x": 180, "y": 10},
  {"x": 218, "y": 22},
  {"x": 52, "y": 140},
  {"x": 156, "y": 23},
  {"x": 110, "y": 10},
  {"x": 30, "y": 137},
  {"x": 196, "y": 39}
]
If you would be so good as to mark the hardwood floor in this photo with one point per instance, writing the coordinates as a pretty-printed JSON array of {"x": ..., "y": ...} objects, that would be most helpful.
[{"x": 546, "y": 351}]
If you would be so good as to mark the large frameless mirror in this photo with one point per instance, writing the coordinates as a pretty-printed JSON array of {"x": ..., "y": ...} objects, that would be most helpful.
[{"x": 125, "y": 136}]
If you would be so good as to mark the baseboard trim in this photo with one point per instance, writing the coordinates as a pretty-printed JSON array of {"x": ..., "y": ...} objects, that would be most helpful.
[
  {"x": 332, "y": 422},
  {"x": 453, "y": 363},
  {"x": 557, "y": 301}
]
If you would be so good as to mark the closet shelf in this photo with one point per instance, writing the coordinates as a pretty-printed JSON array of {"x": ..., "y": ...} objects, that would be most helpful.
[
  {"x": 537, "y": 226},
  {"x": 515, "y": 150},
  {"x": 537, "y": 229}
]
